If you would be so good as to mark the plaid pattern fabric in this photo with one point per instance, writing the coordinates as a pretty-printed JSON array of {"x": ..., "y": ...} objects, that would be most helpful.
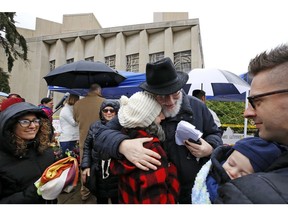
[{"x": 136, "y": 186}]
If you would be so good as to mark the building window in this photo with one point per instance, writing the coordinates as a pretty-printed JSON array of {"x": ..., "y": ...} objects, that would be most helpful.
[
  {"x": 110, "y": 61},
  {"x": 52, "y": 65},
  {"x": 156, "y": 56},
  {"x": 90, "y": 59},
  {"x": 132, "y": 62},
  {"x": 182, "y": 61},
  {"x": 68, "y": 61}
]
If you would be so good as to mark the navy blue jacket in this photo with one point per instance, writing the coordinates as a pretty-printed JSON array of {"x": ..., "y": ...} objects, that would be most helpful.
[{"x": 106, "y": 187}]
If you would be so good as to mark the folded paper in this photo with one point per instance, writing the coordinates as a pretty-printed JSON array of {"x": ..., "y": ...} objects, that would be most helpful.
[{"x": 186, "y": 130}]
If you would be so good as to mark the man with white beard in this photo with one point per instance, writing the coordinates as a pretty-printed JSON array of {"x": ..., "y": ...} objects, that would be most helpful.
[{"x": 165, "y": 83}]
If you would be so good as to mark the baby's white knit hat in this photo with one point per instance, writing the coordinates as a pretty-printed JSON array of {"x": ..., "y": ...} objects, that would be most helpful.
[{"x": 140, "y": 110}]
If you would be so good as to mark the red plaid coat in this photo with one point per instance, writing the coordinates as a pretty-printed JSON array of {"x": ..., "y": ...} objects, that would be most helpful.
[{"x": 136, "y": 186}]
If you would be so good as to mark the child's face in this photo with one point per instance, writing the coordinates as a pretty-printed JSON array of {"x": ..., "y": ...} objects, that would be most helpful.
[
  {"x": 159, "y": 118},
  {"x": 237, "y": 165}
]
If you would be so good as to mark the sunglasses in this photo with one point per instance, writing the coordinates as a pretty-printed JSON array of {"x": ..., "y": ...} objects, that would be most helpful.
[
  {"x": 108, "y": 110},
  {"x": 252, "y": 99},
  {"x": 27, "y": 123}
]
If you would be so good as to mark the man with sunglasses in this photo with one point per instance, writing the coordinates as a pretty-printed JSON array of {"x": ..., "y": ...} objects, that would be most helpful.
[
  {"x": 268, "y": 108},
  {"x": 165, "y": 84}
]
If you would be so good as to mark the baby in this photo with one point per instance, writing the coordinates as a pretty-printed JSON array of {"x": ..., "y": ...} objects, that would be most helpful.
[{"x": 247, "y": 156}]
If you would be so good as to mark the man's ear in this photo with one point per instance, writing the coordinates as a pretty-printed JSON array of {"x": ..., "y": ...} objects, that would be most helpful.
[{"x": 203, "y": 98}]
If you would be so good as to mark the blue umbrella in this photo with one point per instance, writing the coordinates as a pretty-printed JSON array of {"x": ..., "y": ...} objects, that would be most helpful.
[{"x": 246, "y": 77}]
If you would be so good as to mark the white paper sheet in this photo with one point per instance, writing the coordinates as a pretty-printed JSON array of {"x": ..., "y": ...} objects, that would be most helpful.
[{"x": 184, "y": 131}]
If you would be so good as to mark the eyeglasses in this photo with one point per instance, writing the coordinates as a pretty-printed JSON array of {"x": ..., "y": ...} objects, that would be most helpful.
[
  {"x": 27, "y": 123},
  {"x": 108, "y": 110},
  {"x": 163, "y": 97},
  {"x": 252, "y": 99}
]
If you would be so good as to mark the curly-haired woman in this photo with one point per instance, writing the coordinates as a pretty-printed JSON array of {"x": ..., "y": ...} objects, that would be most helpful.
[{"x": 24, "y": 152}]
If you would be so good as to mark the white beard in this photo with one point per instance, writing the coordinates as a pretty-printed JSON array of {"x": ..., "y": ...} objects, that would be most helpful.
[{"x": 175, "y": 111}]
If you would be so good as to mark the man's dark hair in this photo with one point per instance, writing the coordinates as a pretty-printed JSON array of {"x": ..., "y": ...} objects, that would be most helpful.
[
  {"x": 95, "y": 87},
  {"x": 269, "y": 59},
  {"x": 46, "y": 100},
  {"x": 199, "y": 93}
]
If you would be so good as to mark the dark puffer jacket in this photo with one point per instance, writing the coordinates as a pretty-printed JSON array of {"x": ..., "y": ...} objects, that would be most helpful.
[
  {"x": 258, "y": 188},
  {"x": 18, "y": 174},
  {"x": 192, "y": 110},
  {"x": 101, "y": 182}
]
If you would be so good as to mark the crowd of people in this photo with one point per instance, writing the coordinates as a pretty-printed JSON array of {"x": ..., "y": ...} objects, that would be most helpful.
[{"x": 128, "y": 152}]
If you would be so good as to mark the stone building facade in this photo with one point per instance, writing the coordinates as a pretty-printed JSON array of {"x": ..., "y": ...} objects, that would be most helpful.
[{"x": 126, "y": 48}]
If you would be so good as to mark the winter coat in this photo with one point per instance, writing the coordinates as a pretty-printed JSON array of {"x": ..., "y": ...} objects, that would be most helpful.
[
  {"x": 268, "y": 187},
  {"x": 102, "y": 183},
  {"x": 136, "y": 186},
  {"x": 18, "y": 173},
  {"x": 193, "y": 111},
  {"x": 86, "y": 111}
]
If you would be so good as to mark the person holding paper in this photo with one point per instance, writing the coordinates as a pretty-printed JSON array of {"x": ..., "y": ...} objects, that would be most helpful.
[{"x": 165, "y": 83}]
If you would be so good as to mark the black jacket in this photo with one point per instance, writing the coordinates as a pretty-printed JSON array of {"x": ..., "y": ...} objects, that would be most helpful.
[
  {"x": 268, "y": 187},
  {"x": 18, "y": 174},
  {"x": 106, "y": 187},
  {"x": 192, "y": 110},
  {"x": 218, "y": 156}
]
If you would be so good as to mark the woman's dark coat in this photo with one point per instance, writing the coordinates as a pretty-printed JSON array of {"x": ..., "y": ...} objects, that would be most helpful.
[
  {"x": 18, "y": 174},
  {"x": 106, "y": 187}
]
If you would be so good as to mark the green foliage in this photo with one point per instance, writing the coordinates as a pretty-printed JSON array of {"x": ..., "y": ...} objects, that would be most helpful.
[
  {"x": 4, "y": 82},
  {"x": 231, "y": 113},
  {"x": 13, "y": 43},
  {"x": 228, "y": 112}
]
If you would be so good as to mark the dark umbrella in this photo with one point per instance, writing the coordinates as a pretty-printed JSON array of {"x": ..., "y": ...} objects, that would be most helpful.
[
  {"x": 128, "y": 87},
  {"x": 82, "y": 74}
]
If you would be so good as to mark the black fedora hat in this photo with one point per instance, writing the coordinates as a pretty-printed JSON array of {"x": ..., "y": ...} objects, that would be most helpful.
[{"x": 162, "y": 78}]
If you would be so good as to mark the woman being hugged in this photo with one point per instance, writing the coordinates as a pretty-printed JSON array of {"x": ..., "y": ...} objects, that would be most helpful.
[{"x": 24, "y": 152}]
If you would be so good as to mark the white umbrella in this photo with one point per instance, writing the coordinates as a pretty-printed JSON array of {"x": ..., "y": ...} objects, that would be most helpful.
[
  {"x": 4, "y": 94},
  {"x": 216, "y": 82},
  {"x": 219, "y": 84}
]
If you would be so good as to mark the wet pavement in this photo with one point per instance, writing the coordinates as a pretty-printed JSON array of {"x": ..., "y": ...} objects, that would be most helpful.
[{"x": 74, "y": 197}]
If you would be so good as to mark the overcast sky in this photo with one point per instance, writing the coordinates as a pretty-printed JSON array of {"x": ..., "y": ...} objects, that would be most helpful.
[{"x": 232, "y": 31}]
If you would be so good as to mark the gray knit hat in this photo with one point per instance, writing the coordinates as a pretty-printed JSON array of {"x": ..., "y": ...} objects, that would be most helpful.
[{"x": 140, "y": 110}]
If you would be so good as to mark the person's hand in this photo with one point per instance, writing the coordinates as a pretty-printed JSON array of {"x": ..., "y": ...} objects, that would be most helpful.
[
  {"x": 85, "y": 173},
  {"x": 141, "y": 157},
  {"x": 199, "y": 151}
]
